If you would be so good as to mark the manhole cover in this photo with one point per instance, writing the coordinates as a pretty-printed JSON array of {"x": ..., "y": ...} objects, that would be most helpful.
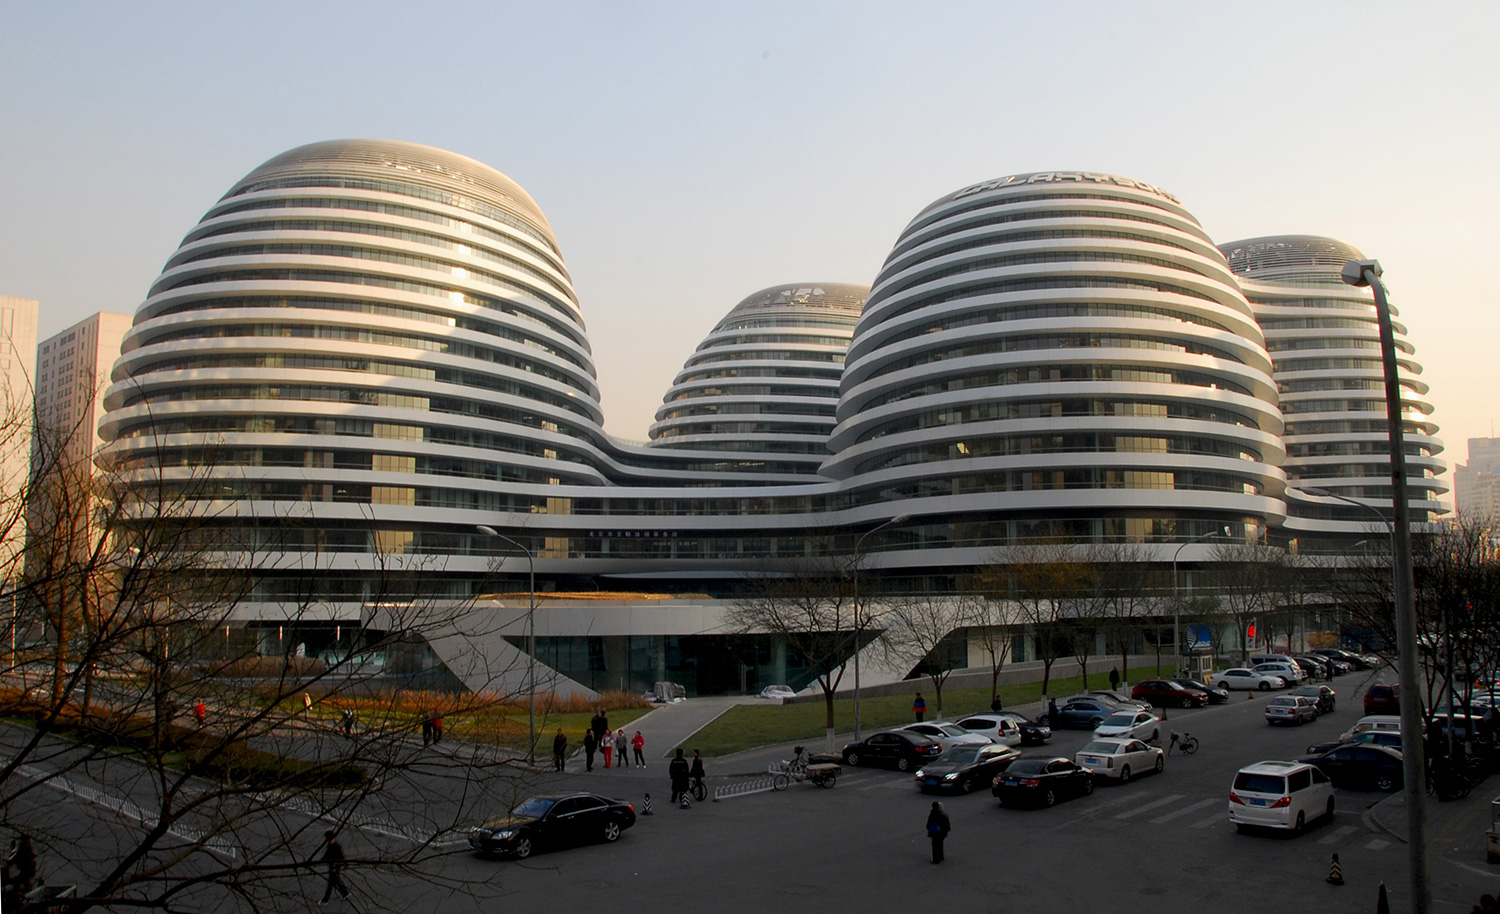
[{"x": 1153, "y": 890}]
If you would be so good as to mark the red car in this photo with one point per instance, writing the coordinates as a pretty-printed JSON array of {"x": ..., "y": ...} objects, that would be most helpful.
[
  {"x": 1383, "y": 698},
  {"x": 1164, "y": 693}
]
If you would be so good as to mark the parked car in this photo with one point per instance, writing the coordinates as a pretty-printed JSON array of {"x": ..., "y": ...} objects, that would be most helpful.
[
  {"x": 1291, "y": 709},
  {"x": 1361, "y": 767},
  {"x": 1241, "y": 678},
  {"x": 1286, "y": 669},
  {"x": 904, "y": 749},
  {"x": 1335, "y": 665},
  {"x": 1383, "y": 698},
  {"x": 1119, "y": 758},
  {"x": 1120, "y": 699},
  {"x": 1007, "y": 728},
  {"x": 948, "y": 735},
  {"x": 1216, "y": 696},
  {"x": 1080, "y": 714},
  {"x": 1041, "y": 782},
  {"x": 1130, "y": 725},
  {"x": 1388, "y": 738},
  {"x": 779, "y": 692},
  {"x": 547, "y": 823},
  {"x": 1315, "y": 669},
  {"x": 965, "y": 767},
  {"x": 1169, "y": 694},
  {"x": 1389, "y": 722},
  {"x": 1278, "y": 794},
  {"x": 1355, "y": 661},
  {"x": 1323, "y": 696}
]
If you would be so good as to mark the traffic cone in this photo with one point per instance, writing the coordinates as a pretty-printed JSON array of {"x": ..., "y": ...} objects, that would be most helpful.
[
  {"x": 686, "y": 803},
  {"x": 1336, "y": 872},
  {"x": 646, "y": 806},
  {"x": 1382, "y": 901}
]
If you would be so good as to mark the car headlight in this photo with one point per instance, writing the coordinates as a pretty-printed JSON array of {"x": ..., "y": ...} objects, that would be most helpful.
[
  {"x": 921, "y": 773},
  {"x": 504, "y": 834},
  {"x": 951, "y": 777}
]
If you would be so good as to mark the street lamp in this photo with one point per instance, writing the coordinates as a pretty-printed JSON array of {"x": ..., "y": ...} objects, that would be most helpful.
[
  {"x": 1367, "y": 273},
  {"x": 858, "y": 628},
  {"x": 530, "y": 638},
  {"x": 1177, "y": 596}
]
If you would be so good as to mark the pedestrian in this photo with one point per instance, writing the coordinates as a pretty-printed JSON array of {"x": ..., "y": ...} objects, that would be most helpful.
[
  {"x": 919, "y": 707},
  {"x": 938, "y": 827},
  {"x": 1114, "y": 678},
  {"x": 20, "y": 871},
  {"x": 437, "y": 729},
  {"x": 607, "y": 746},
  {"x": 426, "y": 729},
  {"x": 333, "y": 855},
  {"x": 995, "y": 705},
  {"x": 596, "y": 723},
  {"x": 307, "y": 703},
  {"x": 638, "y": 743},
  {"x": 1052, "y": 717},
  {"x": 590, "y": 744},
  {"x": 200, "y": 712},
  {"x": 696, "y": 772},
  {"x": 677, "y": 770},
  {"x": 348, "y": 715},
  {"x": 622, "y": 746},
  {"x": 559, "y": 750}
]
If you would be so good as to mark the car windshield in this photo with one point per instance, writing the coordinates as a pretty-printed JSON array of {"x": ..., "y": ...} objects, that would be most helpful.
[
  {"x": 951, "y": 730},
  {"x": 534, "y": 807},
  {"x": 1284, "y": 702},
  {"x": 963, "y": 755},
  {"x": 1028, "y": 766},
  {"x": 1120, "y": 719},
  {"x": 1260, "y": 783},
  {"x": 1098, "y": 748}
]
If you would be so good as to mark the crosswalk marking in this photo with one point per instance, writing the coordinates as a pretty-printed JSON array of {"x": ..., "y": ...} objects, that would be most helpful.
[
  {"x": 1211, "y": 821},
  {"x": 1338, "y": 834},
  {"x": 1169, "y": 798},
  {"x": 1377, "y": 845},
  {"x": 1185, "y": 810}
]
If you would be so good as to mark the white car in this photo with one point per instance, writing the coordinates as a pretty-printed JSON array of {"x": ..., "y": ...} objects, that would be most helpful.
[
  {"x": 997, "y": 727},
  {"x": 948, "y": 735},
  {"x": 1291, "y": 672},
  {"x": 1119, "y": 758},
  {"x": 1129, "y": 724},
  {"x": 1246, "y": 680},
  {"x": 1279, "y": 795},
  {"x": 779, "y": 692}
]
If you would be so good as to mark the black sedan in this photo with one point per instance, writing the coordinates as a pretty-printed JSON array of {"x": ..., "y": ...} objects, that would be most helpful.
[
  {"x": 548, "y": 823},
  {"x": 1041, "y": 782},
  {"x": 1361, "y": 767},
  {"x": 963, "y": 768},
  {"x": 1032, "y": 732},
  {"x": 902, "y": 748},
  {"x": 1215, "y": 696},
  {"x": 1388, "y": 738}
]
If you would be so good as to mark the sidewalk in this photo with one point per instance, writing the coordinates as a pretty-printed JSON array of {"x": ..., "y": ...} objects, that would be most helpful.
[
  {"x": 1455, "y": 828},
  {"x": 665, "y": 728}
]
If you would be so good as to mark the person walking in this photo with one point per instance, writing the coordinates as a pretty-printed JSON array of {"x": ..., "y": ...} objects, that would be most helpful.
[
  {"x": 200, "y": 713},
  {"x": 426, "y": 729},
  {"x": 919, "y": 707},
  {"x": 696, "y": 771},
  {"x": 1114, "y": 678},
  {"x": 559, "y": 750},
  {"x": 638, "y": 743},
  {"x": 607, "y": 746},
  {"x": 333, "y": 855},
  {"x": 622, "y": 747},
  {"x": 437, "y": 729},
  {"x": 307, "y": 703},
  {"x": 677, "y": 770},
  {"x": 938, "y": 827},
  {"x": 1053, "y": 720},
  {"x": 20, "y": 871},
  {"x": 348, "y": 716},
  {"x": 590, "y": 744},
  {"x": 995, "y": 705}
]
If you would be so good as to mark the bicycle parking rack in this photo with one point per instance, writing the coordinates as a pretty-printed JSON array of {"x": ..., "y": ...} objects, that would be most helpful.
[{"x": 744, "y": 788}]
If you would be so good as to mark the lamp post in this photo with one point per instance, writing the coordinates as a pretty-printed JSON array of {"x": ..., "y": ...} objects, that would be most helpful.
[
  {"x": 530, "y": 638},
  {"x": 858, "y": 627},
  {"x": 1177, "y": 597},
  {"x": 1367, "y": 273}
]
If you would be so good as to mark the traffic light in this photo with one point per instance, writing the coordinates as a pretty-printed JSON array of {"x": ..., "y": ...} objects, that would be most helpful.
[{"x": 1250, "y": 634}]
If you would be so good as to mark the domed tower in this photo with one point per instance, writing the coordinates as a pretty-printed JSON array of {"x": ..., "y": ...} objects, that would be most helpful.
[
  {"x": 1324, "y": 341},
  {"x": 377, "y": 338},
  {"x": 1060, "y": 354},
  {"x": 765, "y": 381}
]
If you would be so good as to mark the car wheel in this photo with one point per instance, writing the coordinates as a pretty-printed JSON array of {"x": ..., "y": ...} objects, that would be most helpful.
[
  {"x": 851, "y": 759},
  {"x": 1264, "y": 687},
  {"x": 522, "y": 850},
  {"x": 1187, "y": 702},
  {"x": 1299, "y": 826},
  {"x": 1223, "y": 685},
  {"x": 1161, "y": 762},
  {"x": 1241, "y": 828},
  {"x": 1095, "y": 723},
  {"x": 611, "y": 831},
  {"x": 1049, "y": 798},
  {"x": 1125, "y": 775},
  {"x": 1088, "y": 786},
  {"x": 903, "y": 764},
  {"x": 1385, "y": 782},
  {"x": 966, "y": 785}
]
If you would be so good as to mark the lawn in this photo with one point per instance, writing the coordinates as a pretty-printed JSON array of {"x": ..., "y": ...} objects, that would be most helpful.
[{"x": 805, "y": 720}]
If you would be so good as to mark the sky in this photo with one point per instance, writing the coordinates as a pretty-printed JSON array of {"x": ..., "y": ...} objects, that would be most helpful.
[{"x": 689, "y": 154}]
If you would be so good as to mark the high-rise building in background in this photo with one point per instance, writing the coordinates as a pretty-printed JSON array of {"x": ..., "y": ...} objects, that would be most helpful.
[
  {"x": 1476, "y": 484},
  {"x": 72, "y": 371},
  {"x": 18, "y": 318},
  {"x": 368, "y": 365}
]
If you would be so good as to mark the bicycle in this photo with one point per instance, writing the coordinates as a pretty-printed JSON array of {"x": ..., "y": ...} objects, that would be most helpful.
[{"x": 1184, "y": 742}]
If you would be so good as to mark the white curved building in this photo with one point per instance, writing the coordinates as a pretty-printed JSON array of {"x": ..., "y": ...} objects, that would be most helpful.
[
  {"x": 766, "y": 379},
  {"x": 1324, "y": 341},
  {"x": 1060, "y": 354}
]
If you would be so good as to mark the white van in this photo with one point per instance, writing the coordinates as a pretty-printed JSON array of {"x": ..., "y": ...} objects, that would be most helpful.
[
  {"x": 1280, "y": 795},
  {"x": 1389, "y": 722}
]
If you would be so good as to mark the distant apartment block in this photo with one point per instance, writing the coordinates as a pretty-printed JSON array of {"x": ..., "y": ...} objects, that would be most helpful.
[
  {"x": 72, "y": 370},
  {"x": 17, "y": 371},
  {"x": 1477, "y": 483}
]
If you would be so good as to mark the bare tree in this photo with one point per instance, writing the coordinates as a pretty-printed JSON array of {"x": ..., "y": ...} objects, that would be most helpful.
[
  {"x": 808, "y": 604},
  {"x": 1126, "y": 585},
  {"x": 1246, "y": 576},
  {"x": 1040, "y": 579},
  {"x": 991, "y": 620},
  {"x": 924, "y": 633}
]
